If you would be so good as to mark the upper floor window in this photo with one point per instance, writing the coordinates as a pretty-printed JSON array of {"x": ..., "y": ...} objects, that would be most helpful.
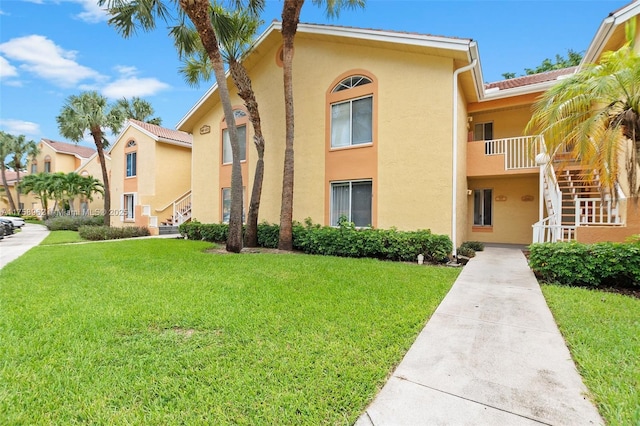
[
  {"x": 34, "y": 167},
  {"x": 132, "y": 163},
  {"x": 241, "y": 126},
  {"x": 131, "y": 144},
  {"x": 351, "y": 116},
  {"x": 483, "y": 132},
  {"x": 47, "y": 164}
]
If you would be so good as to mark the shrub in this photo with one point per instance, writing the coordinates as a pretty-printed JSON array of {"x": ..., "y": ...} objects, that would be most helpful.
[
  {"x": 72, "y": 223},
  {"x": 99, "y": 233},
  {"x": 587, "y": 264},
  {"x": 473, "y": 245},
  {"x": 345, "y": 240},
  {"x": 466, "y": 251}
]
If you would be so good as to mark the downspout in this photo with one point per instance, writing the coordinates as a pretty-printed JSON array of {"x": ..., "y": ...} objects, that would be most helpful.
[{"x": 454, "y": 191}]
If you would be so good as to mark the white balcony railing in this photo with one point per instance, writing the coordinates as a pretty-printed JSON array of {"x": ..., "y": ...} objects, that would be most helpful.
[{"x": 519, "y": 152}]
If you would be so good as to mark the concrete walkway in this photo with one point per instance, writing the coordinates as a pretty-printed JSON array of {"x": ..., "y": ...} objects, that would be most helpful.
[
  {"x": 490, "y": 355},
  {"x": 14, "y": 246}
]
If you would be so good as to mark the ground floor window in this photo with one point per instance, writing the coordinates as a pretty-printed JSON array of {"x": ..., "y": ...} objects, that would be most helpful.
[
  {"x": 353, "y": 200},
  {"x": 226, "y": 204},
  {"x": 483, "y": 207},
  {"x": 129, "y": 207}
]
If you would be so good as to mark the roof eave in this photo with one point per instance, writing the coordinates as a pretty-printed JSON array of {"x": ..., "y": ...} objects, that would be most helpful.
[{"x": 606, "y": 29}]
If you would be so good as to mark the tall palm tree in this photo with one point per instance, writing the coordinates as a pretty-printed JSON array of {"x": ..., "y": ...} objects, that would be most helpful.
[
  {"x": 129, "y": 15},
  {"x": 90, "y": 112},
  {"x": 595, "y": 115},
  {"x": 22, "y": 150},
  {"x": 6, "y": 141},
  {"x": 39, "y": 185},
  {"x": 138, "y": 109},
  {"x": 290, "y": 18},
  {"x": 236, "y": 31}
]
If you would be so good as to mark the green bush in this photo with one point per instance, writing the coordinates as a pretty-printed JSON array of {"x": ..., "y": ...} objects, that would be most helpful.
[
  {"x": 473, "y": 245},
  {"x": 99, "y": 233},
  {"x": 466, "y": 251},
  {"x": 587, "y": 264},
  {"x": 72, "y": 223},
  {"x": 345, "y": 240}
]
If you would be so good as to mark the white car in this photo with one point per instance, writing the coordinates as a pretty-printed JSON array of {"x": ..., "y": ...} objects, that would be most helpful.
[{"x": 18, "y": 222}]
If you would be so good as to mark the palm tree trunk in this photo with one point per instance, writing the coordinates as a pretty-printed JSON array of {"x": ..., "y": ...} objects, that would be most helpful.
[
  {"x": 246, "y": 93},
  {"x": 290, "y": 18},
  {"x": 97, "y": 139},
  {"x": 198, "y": 12},
  {"x": 12, "y": 205}
]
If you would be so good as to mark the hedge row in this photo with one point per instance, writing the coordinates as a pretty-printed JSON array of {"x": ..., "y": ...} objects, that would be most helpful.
[
  {"x": 99, "y": 233},
  {"x": 72, "y": 223},
  {"x": 345, "y": 240},
  {"x": 599, "y": 264}
]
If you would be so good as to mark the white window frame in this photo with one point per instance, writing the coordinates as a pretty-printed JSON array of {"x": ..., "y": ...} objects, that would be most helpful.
[
  {"x": 482, "y": 222},
  {"x": 133, "y": 171},
  {"x": 350, "y": 102},
  {"x": 227, "y": 145},
  {"x": 129, "y": 215},
  {"x": 334, "y": 220}
]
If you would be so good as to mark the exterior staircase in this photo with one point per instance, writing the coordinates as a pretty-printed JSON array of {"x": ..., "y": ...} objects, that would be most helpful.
[
  {"x": 573, "y": 198},
  {"x": 181, "y": 213}
]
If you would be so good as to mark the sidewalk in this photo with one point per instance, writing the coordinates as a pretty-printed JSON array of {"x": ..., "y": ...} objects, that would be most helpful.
[
  {"x": 14, "y": 246},
  {"x": 491, "y": 354}
]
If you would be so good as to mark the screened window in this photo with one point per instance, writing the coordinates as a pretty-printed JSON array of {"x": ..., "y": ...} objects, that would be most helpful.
[
  {"x": 482, "y": 207},
  {"x": 353, "y": 201},
  {"x": 227, "y": 157},
  {"x": 483, "y": 132},
  {"x": 47, "y": 164},
  {"x": 132, "y": 158},
  {"x": 129, "y": 206}
]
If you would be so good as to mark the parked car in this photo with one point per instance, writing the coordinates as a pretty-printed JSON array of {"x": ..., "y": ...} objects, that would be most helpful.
[
  {"x": 1, "y": 232},
  {"x": 7, "y": 225},
  {"x": 18, "y": 222}
]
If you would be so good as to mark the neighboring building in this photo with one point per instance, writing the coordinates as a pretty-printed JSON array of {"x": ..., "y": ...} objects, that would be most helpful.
[
  {"x": 150, "y": 177},
  {"x": 92, "y": 167},
  {"x": 53, "y": 157}
]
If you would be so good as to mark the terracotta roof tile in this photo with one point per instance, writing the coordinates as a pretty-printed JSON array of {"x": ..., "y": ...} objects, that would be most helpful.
[
  {"x": 11, "y": 176},
  {"x": 164, "y": 133},
  {"x": 530, "y": 79},
  {"x": 70, "y": 148}
]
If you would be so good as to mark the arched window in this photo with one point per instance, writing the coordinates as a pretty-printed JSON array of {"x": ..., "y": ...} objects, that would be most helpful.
[
  {"x": 47, "y": 164},
  {"x": 131, "y": 159},
  {"x": 352, "y": 112},
  {"x": 241, "y": 124},
  {"x": 131, "y": 144}
]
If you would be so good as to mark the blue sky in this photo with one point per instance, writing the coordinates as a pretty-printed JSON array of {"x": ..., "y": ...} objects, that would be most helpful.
[{"x": 52, "y": 49}]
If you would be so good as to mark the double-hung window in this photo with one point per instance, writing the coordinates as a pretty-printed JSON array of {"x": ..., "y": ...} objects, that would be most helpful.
[
  {"x": 227, "y": 155},
  {"x": 351, "y": 200},
  {"x": 129, "y": 207},
  {"x": 482, "y": 207},
  {"x": 483, "y": 131}
]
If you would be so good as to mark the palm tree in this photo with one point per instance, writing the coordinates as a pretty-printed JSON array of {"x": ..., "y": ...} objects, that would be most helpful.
[
  {"x": 235, "y": 32},
  {"x": 129, "y": 15},
  {"x": 6, "y": 141},
  {"x": 90, "y": 112},
  {"x": 39, "y": 184},
  {"x": 138, "y": 109},
  {"x": 89, "y": 186},
  {"x": 290, "y": 19},
  {"x": 595, "y": 115},
  {"x": 22, "y": 150}
]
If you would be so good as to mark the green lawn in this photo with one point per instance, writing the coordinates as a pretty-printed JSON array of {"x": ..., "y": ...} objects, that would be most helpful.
[
  {"x": 62, "y": 237},
  {"x": 158, "y": 332},
  {"x": 602, "y": 331}
]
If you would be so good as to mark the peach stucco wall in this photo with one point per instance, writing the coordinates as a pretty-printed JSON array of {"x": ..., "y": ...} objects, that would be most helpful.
[{"x": 412, "y": 189}]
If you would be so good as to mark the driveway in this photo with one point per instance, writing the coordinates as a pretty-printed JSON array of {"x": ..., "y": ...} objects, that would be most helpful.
[{"x": 14, "y": 246}]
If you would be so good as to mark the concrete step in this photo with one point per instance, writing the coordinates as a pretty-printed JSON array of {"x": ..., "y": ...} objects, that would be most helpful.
[{"x": 165, "y": 230}]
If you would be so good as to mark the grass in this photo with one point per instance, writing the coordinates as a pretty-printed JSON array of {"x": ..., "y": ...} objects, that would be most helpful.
[
  {"x": 158, "y": 332},
  {"x": 602, "y": 331},
  {"x": 62, "y": 237}
]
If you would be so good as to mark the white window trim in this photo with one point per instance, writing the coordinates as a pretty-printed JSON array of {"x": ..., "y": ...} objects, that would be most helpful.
[
  {"x": 350, "y": 182},
  {"x": 123, "y": 205},
  {"x": 483, "y": 190},
  {"x": 126, "y": 165},
  {"x": 245, "y": 142},
  {"x": 351, "y": 144}
]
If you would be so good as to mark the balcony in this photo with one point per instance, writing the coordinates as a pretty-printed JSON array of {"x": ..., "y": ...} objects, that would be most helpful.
[{"x": 509, "y": 156}]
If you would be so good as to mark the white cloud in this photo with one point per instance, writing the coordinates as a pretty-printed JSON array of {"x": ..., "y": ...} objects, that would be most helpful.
[
  {"x": 6, "y": 69},
  {"x": 133, "y": 86},
  {"x": 92, "y": 12},
  {"x": 42, "y": 57},
  {"x": 20, "y": 127},
  {"x": 126, "y": 71}
]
